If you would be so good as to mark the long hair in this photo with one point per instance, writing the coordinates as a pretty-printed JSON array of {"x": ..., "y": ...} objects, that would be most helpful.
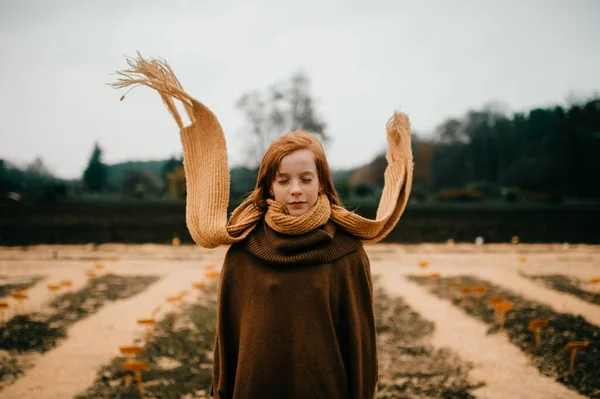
[{"x": 285, "y": 145}]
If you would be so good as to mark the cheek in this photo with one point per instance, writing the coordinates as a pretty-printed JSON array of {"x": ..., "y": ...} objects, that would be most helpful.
[
  {"x": 313, "y": 193},
  {"x": 277, "y": 193}
]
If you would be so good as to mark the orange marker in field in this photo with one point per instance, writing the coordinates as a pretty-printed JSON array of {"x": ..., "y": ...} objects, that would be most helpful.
[
  {"x": 3, "y": 307},
  {"x": 478, "y": 291},
  {"x": 130, "y": 351},
  {"x": 573, "y": 346},
  {"x": 536, "y": 325},
  {"x": 137, "y": 367},
  {"x": 213, "y": 275},
  {"x": 148, "y": 324},
  {"x": 54, "y": 288},
  {"x": 20, "y": 298},
  {"x": 593, "y": 283},
  {"x": 501, "y": 309}
]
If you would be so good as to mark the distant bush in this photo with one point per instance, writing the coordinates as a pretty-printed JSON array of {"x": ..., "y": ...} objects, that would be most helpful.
[
  {"x": 140, "y": 182},
  {"x": 512, "y": 194},
  {"x": 543, "y": 197},
  {"x": 486, "y": 188},
  {"x": 459, "y": 195}
]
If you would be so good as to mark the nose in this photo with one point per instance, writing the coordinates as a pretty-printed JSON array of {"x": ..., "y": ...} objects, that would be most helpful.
[{"x": 295, "y": 189}]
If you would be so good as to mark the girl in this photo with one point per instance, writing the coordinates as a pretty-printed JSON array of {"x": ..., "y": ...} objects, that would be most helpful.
[{"x": 295, "y": 303}]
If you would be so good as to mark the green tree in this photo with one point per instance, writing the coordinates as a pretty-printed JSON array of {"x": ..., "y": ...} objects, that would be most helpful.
[
  {"x": 548, "y": 150},
  {"x": 140, "y": 182},
  {"x": 95, "y": 175},
  {"x": 170, "y": 165}
]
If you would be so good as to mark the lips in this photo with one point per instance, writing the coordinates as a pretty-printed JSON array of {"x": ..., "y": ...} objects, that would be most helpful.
[{"x": 297, "y": 203}]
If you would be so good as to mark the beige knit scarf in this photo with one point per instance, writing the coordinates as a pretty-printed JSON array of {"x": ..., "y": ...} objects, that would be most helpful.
[{"x": 207, "y": 173}]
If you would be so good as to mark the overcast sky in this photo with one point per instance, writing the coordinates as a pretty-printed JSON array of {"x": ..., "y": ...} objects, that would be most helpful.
[{"x": 430, "y": 59}]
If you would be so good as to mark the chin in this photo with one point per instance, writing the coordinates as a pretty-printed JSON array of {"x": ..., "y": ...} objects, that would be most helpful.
[{"x": 297, "y": 212}]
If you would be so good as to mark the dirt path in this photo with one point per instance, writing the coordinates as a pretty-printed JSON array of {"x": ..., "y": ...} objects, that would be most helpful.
[
  {"x": 561, "y": 302},
  {"x": 500, "y": 364}
]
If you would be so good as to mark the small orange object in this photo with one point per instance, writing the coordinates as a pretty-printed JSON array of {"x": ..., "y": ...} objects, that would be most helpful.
[
  {"x": 98, "y": 266},
  {"x": 137, "y": 367},
  {"x": 478, "y": 291},
  {"x": 501, "y": 309},
  {"x": 213, "y": 275},
  {"x": 454, "y": 284},
  {"x": 182, "y": 294},
  {"x": 90, "y": 273},
  {"x": 3, "y": 306},
  {"x": 423, "y": 264},
  {"x": 494, "y": 299},
  {"x": 465, "y": 291},
  {"x": 54, "y": 288},
  {"x": 593, "y": 282},
  {"x": 573, "y": 346},
  {"x": 198, "y": 285},
  {"x": 209, "y": 266},
  {"x": 20, "y": 298},
  {"x": 130, "y": 351},
  {"x": 148, "y": 324},
  {"x": 66, "y": 283},
  {"x": 434, "y": 276},
  {"x": 536, "y": 325},
  {"x": 23, "y": 290},
  {"x": 172, "y": 299}
]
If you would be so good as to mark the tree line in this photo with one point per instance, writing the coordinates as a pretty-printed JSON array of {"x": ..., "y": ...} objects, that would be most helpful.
[{"x": 546, "y": 153}]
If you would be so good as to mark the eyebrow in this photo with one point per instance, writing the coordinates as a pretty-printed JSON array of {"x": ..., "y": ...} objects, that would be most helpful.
[{"x": 310, "y": 172}]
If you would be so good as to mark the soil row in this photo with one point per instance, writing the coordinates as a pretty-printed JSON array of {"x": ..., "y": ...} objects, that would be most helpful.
[
  {"x": 552, "y": 357},
  {"x": 567, "y": 284}
]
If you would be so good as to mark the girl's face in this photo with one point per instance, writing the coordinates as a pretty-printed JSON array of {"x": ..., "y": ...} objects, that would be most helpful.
[{"x": 296, "y": 184}]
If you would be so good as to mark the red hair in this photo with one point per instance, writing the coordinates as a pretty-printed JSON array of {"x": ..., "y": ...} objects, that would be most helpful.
[{"x": 285, "y": 145}]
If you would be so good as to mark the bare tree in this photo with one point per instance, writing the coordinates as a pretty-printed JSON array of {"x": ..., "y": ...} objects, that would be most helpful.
[{"x": 282, "y": 108}]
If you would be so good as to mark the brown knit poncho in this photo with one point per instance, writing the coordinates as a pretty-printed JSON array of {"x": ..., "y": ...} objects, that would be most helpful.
[
  {"x": 207, "y": 173},
  {"x": 295, "y": 318}
]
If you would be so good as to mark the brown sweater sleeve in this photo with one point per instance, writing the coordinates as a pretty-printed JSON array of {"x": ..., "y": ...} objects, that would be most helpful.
[{"x": 358, "y": 341}]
